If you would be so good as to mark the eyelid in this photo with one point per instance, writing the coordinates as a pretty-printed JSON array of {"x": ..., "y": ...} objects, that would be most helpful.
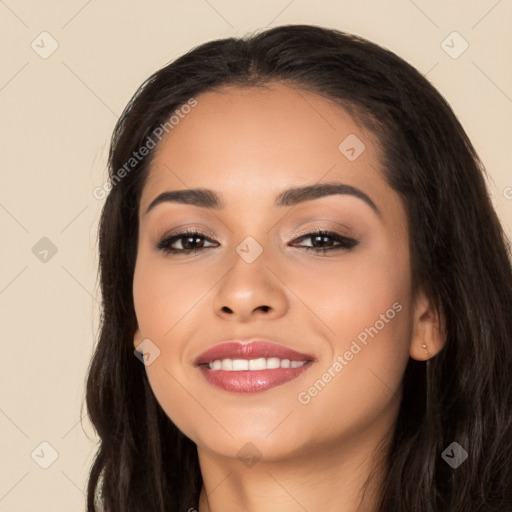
[
  {"x": 326, "y": 225},
  {"x": 337, "y": 227},
  {"x": 187, "y": 228}
]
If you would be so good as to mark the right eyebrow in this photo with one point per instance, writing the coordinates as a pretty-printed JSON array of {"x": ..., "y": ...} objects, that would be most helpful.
[{"x": 198, "y": 197}]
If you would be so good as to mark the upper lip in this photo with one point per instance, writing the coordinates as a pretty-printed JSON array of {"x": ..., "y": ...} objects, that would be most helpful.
[{"x": 253, "y": 348}]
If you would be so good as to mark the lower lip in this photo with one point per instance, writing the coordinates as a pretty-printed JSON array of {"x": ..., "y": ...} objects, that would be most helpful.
[{"x": 252, "y": 381}]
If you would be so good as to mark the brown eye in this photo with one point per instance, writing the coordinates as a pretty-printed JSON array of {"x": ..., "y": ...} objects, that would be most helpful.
[
  {"x": 322, "y": 238},
  {"x": 190, "y": 241}
]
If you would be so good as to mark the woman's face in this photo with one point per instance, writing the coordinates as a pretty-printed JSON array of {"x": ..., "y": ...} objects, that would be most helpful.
[{"x": 347, "y": 313}]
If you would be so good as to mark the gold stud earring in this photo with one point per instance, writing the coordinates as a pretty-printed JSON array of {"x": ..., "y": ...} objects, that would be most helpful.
[{"x": 425, "y": 348}]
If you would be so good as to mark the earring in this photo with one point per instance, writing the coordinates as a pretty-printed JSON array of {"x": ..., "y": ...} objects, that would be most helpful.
[{"x": 425, "y": 348}]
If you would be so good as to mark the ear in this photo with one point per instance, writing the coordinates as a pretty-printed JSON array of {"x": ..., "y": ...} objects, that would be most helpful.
[{"x": 429, "y": 329}]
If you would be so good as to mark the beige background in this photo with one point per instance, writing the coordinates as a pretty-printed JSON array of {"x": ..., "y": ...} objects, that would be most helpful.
[{"x": 56, "y": 117}]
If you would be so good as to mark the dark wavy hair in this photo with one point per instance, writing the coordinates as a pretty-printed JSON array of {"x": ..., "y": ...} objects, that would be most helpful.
[{"x": 460, "y": 257}]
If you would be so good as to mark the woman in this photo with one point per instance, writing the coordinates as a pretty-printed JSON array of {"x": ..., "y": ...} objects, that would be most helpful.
[{"x": 300, "y": 247}]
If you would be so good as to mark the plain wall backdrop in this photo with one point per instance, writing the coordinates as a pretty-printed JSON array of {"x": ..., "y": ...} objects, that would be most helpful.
[{"x": 67, "y": 70}]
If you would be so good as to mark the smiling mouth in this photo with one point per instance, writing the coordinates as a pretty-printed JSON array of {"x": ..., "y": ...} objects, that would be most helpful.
[{"x": 251, "y": 367}]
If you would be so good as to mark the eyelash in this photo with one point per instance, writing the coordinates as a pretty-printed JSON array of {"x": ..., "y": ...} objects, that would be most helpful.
[{"x": 344, "y": 242}]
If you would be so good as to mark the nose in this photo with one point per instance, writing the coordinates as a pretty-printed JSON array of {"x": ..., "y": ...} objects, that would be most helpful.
[{"x": 251, "y": 291}]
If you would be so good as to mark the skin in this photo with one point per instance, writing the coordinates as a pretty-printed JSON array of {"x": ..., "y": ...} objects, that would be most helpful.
[{"x": 248, "y": 145}]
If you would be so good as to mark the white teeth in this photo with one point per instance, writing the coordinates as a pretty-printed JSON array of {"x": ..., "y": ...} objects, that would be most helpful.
[
  {"x": 216, "y": 365},
  {"x": 258, "y": 364},
  {"x": 227, "y": 364},
  {"x": 261, "y": 363},
  {"x": 240, "y": 364},
  {"x": 273, "y": 362}
]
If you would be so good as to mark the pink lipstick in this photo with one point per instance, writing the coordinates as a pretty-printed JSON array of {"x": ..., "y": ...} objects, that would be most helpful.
[{"x": 251, "y": 367}]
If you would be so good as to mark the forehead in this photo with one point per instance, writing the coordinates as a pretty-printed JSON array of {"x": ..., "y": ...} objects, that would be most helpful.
[{"x": 256, "y": 141}]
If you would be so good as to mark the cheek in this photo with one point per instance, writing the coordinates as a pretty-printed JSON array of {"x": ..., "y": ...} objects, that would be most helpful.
[
  {"x": 354, "y": 292},
  {"x": 366, "y": 306},
  {"x": 362, "y": 383},
  {"x": 167, "y": 303},
  {"x": 164, "y": 295}
]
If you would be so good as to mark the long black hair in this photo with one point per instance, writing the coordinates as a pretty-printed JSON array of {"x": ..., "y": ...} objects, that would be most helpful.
[{"x": 460, "y": 257}]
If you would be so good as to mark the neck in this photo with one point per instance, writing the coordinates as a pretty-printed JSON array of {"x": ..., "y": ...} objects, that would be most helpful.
[{"x": 326, "y": 478}]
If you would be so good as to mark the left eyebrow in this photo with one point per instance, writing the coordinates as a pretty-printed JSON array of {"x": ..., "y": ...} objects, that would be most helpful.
[
  {"x": 206, "y": 198},
  {"x": 294, "y": 196}
]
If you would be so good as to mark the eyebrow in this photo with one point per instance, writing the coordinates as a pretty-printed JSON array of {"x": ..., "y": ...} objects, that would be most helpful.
[{"x": 206, "y": 198}]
